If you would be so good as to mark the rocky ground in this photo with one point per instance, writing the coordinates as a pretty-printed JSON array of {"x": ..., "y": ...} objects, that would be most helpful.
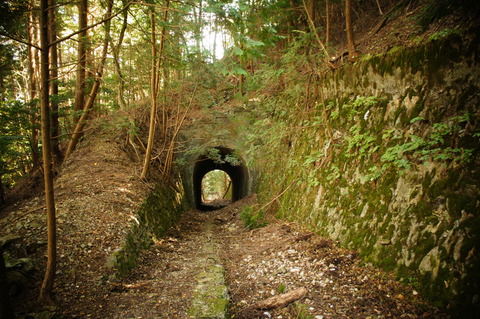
[{"x": 282, "y": 257}]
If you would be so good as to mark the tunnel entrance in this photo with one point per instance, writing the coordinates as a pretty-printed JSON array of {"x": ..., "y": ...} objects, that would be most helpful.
[{"x": 218, "y": 172}]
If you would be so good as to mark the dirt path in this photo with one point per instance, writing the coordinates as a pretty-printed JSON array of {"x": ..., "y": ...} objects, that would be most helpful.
[
  {"x": 162, "y": 285},
  {"x": 259, "y": 264}
]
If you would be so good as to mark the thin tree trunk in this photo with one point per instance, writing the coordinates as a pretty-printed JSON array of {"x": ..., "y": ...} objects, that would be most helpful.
[
  {"x": 352, "y": 53},
  {"x": 214, "y": 50},
  {"x": 157, "y": 57},
  {"x": 200, "y": 37},
  {"x": 33, "y": 89},
  {"x": 153, "y": 97},
  {"x": 57, "y": 154},
  {"x": 379, "y": 8},
  {"x": 311, "y": 9},
  {"x": 327, "y": 23},
  {"x": 167, "y": 167},
  {"x": 49, "y": 278},
  {"x": 161, "y": 65},
  {"x": 313, "y": 29},
  {"x": 116, "y": 57},
  {"x": 81, "y": 59},
  {"x": 82, "y": 121}
]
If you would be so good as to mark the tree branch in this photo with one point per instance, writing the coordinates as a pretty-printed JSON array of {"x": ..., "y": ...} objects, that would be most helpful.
[
  {"x": 92, "y": 25},
  {"x": 20, "y": 41}
]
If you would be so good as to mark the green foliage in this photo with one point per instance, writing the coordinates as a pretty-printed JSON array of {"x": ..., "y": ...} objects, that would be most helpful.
[
  {"x": 313, "y": 177},
  {"x": 281, "y": 288},
  {"x": 121, "y": 123},
  {"x": 252, "y": 217},
  {"x": 233, "y": 159},
  {"x": 444, "y": 33},
  {"x": 213, "y": 153},
  {"x": 237, "y": 55},
  {"x": 358, "y": 105},
  {"x": 373, "y": 173},
  {"x": 414, "y": 149},
  {"x": 6, "y": 63},
  {"x": 300, "y": 311},
  {"x": 333, "y": 173},
  {"x": 12, "y": 17},
  {"x": 313, "y": 158},
  {"x": 362, "y": 142},
  {"x": 15, "y": 128}
]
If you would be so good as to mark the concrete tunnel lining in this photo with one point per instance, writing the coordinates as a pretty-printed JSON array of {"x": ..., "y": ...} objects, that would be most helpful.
[{"x": 238, "y": 174}]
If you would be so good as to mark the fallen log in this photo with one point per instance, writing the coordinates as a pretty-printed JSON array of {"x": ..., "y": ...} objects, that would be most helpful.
[{"x": 282, "y": 300}]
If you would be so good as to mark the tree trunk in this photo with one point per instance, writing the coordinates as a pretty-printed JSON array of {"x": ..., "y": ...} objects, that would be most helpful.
[
  {"x": 352, "y": 53},
  {"x": 116, "y": 58},
  {"x": 82, "y": 121},
  {"x": 82, "y": 59},
  {"x": 313, "y": 29},
  {"x": 33, "y": 90},
  {"x": 327, "y": 23},
  {"x": 153, "y": 97},
  {"x": 48, "y": 280},
  {"x": 312, "y": 10},
  {"x": 57, "y": 154},
  {"x": 161, "y": 65},
  {"x": 157, "y": 57}
]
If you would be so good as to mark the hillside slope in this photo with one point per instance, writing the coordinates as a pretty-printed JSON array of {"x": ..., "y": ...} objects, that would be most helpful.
[{"x": 97, "y": 195}]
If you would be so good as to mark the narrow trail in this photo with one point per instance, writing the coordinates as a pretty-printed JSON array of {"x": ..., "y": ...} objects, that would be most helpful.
[
  {"x": 186, "y": 275},
  {"x": 165, "y": 281}
]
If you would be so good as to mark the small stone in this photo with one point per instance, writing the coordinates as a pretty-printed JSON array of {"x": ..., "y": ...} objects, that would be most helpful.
[
  {"x": 384, "y": 242},
  {"x": 280, "y": 271}
]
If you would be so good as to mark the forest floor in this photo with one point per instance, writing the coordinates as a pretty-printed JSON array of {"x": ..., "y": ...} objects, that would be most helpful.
[{"x": 96, "y": 199}]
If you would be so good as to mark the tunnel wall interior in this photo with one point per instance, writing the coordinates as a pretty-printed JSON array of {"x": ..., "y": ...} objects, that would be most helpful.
[{"x": 238, "y": 174}]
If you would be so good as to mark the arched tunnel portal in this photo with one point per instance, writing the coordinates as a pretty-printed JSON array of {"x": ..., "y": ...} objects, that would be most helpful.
[{"x": 226, "y": 160}]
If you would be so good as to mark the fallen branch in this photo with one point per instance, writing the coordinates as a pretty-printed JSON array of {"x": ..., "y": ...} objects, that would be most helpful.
[{"x": 282, "y": 300}]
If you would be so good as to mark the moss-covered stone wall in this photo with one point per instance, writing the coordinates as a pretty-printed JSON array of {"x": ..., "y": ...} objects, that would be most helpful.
[
  {"x": 158, "y": 213},
  {"x": 388, "y": 162}
]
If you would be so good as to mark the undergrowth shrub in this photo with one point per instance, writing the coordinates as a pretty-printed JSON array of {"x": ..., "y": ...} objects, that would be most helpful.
[{"x": 253, "y": 218}]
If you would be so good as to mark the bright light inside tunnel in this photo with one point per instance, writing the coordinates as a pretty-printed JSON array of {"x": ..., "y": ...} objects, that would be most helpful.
[
  {"x": 216, "y": 186},
  {"x": 228, "y": 181}
]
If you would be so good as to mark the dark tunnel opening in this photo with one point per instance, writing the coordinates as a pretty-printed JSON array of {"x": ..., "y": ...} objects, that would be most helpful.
[{"x": 223, "y": 159}]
